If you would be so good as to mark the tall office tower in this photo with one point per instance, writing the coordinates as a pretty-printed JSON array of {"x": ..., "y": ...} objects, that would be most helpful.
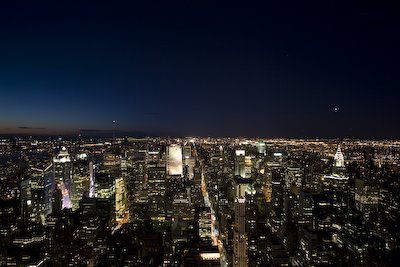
[
  {"x": 261, "y": 148},
  {"x": 81, "y": 181},
  {"x": 56, "y": 201},
  {"x": 92, "y": 191},
  {"x": 291, "y": 210},
  {"x": 306, "y": 210},
  {"x": 267, "y": 190},
  {"x": 339, "y": 168},
  {"x": 248, "y": 165},
  {"x": 63, "y": 176},
  {"x": 104, "y": 185},
  {"x": 139, "y": 191},
  {"x": 156, "y": 192},
  {"x": 252, "y": 200},
  {"x": 336, "y": 187},
  {"x": 316, "y": 246},
  {"x": 88, "y": 219},
  {"x": 32, "y": 201},
  {"x": 277, "y": 197},
  {"x": 367, "y": 196},
  {"x": 120, "y": 199},
  {"x": 121, "y": 204},
  {"x": 49, "y": 186},
  {"x": 277, "y": 187},
  {"x": 178, "y": 201},
  {"x": 339, "y": 158},
  {"x": 174, "y": 160},
  {"x": 187, "y": 152},
  {"x": 240, "y": 247},
  {"x": 240, "y": 163},
  {"x": 189, "y": 163}
]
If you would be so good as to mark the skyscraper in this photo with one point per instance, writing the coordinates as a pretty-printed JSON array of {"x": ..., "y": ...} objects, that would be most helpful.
[
  {"x": 156, "y": 191},
  {"x": 339, "y": 167},
  {"x": 261, "y": 148},
  {"x": 32, "y": 200},
  {"x": 104, "y": 185},
  {"x": 91, "y": 182},
  {"x": 277, "y": 200},
  {"x": 81, "y": 180},
  {"x": 121, "y": 205},
  {"x": 189, "y": 163},
  {"x": 240, "y": 163},
  {"x": 339, "y": 158},
  {"x": 174, "y": 160},
  {"x": 63, "y": 176},
  {"x": 240, "y": 239},
  {"x": 49, "y": 186},
  {"x": 120, "y": 199},
  {"x": 187, "y": 151},
  {"x": 248, "y": 165}
]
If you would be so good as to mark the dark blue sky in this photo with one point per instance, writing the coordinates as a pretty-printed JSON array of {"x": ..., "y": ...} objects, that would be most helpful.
[{"x": 202, "y": 68}]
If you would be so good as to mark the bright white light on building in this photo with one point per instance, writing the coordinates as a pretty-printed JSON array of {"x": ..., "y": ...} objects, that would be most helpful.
[
  {"x": 240, "y": 152},
  {"x": 210, "y": 255},
  {"x": 339, "y": 158},
  {"x": 174, "y": 154}
]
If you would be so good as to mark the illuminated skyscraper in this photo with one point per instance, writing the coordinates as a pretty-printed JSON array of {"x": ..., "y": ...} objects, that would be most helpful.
[
  {"x": 49, "y": 186},
  {"x": 104, "y": 185},
  {"x": 261, "y": 148},
  {"x": 188, "y": 162},
  {"x": 240, "y": 163},
  {"x": 81, "y": 180},
  {"x": 240, "y": 239},
  {"x": 277, "y": 200},
  {"x": 32, "y": 200},
  {"x": 367, "y": 196},
  {"x": 63, "y": 176},
  {"x": 121, "y": 204},
  {"x": 339, "y": 167},
  {"x": 339, "y": 158},
  {"x": 248, "y": 165},
  {"x": 174, "y": 160},
  {"x": 156, "y": 191},
  {"x": 91, "y": 183},
  {"x": 120, "y": 199}
]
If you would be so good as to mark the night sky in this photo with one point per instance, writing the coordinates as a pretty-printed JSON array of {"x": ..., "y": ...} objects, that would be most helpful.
[{"x": 293, "y": 69}]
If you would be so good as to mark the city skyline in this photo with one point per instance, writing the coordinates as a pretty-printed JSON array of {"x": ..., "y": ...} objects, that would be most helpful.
[
  {"x": 198, "y": 202},
  {"x": 296, "y": 70},
  {"x": 199, "y": 133}
]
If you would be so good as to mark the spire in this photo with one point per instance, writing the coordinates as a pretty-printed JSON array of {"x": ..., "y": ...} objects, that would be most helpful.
[{"x": 339, "y": 158}]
